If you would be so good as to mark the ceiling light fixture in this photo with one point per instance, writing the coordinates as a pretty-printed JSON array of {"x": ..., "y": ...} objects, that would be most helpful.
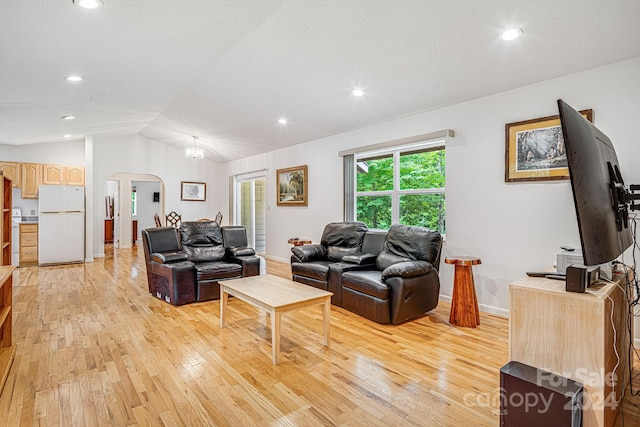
[
  {"x": 88, "y": 4},
  {"x": 194, "y": 152},
  {"x": 74, "y": 78},
  {"x": 357, "y": 92},
  {"x": 67, "y": 135},
  {"x": 282, "y": 121},
  {"x": 69, "y": 117},
  {"x": 511, "y": 34}
]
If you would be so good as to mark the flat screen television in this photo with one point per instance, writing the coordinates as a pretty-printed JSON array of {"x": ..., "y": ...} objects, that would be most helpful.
[{"x": 598, "y": 189}]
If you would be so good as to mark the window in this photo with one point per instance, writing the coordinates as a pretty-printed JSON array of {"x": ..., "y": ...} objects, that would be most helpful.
[
  {"x": 134, "y": 202},
  {"x": 403, "y": 185}
]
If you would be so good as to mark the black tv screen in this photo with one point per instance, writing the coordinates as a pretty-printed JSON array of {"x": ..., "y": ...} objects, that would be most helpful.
[{"x": 604, "y": 232}]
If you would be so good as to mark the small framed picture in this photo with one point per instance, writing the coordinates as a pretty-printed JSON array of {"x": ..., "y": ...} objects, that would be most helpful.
[
  {"x": 193, "y": 191},
  {"x": 292, "y": 186},
  {"x": 535, "y": 149}
]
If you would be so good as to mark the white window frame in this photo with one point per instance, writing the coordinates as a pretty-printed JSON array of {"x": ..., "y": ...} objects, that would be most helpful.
[{"x": 396, "y": 192}]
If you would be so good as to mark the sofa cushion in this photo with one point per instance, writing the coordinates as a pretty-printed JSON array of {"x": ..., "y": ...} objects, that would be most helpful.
[
  {"x": 367, "y": 282},
  {"x": 318, "y": 270},
  {"x": 162, "y": 239},
  {"x": 217, "y": 270},
  {"x": 343, "y": 238},
  {"x": 407, "y": 269},
  {"x": 409, "y": 243},
  {"x": 306, "y": 253},
  {"x": 386, "y": 259},
  {"x": 201, "y": 233},
  {"x": 204, "y": 252}
]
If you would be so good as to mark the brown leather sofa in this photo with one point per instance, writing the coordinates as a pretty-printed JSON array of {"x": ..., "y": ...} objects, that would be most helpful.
[
  {"x": 186, "y": 269},
  {"x": 387, "y": 277}
]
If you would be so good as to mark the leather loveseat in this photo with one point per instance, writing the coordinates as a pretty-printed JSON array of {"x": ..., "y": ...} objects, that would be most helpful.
[
  {"x": 188, "y": 269},
  {"x": 387, "y": 277}
]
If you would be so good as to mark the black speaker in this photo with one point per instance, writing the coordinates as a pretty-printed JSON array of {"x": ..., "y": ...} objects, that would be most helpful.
[
  {"x": 531, "y": 397},
  {"x": 580, "y": 277},
  {"x": 156, "y": 197}
]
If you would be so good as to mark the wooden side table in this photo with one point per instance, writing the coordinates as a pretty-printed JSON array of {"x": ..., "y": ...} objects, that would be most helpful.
[
  {"x": 299, "y": 242},
  {"x": 464, "y": 302}
]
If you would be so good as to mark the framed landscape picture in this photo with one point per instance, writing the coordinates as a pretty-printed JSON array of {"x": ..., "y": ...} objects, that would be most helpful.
[
  {"x": 193, "y": 191},
  {"x": 535, "y": 149},
  {"x": 292, "y": 186}
]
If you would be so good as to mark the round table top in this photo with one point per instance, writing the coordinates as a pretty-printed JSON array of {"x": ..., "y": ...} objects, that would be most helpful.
[{"x": 462, "y": 260}]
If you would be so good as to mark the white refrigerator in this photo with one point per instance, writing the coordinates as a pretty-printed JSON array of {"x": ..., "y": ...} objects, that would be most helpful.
[{"x": 60, "y": 224}]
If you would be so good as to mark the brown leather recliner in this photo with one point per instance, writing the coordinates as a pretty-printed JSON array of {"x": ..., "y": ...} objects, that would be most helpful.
[
  {"x": 403, "y": 283},
  {"x": 188, "y": 271},
  {"x": 319, "y": 265},
  {"x": 386, "y": 277}
]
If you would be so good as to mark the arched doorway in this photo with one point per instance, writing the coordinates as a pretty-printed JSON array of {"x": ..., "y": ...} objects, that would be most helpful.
[{"x": 133, "y": 204}]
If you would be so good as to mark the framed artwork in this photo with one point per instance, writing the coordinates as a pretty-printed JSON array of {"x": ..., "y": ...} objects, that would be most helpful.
[
  {"x": 535, "y": 149},
  {"x": 193, "y": 191},
  {"x": 292, "y": 186}
]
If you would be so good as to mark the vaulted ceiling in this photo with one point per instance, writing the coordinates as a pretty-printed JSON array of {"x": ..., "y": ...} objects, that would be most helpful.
[{"x": 227, "y": 70}]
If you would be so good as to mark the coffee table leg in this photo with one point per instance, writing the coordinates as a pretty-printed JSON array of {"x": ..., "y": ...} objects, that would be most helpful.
[
  {"x": 326, "y": 316},
  {"x": 224, "y": 296},
  {"x": 275, "y": 336}
]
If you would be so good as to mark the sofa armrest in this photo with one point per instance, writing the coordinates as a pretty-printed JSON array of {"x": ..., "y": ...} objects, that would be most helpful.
[
  {"x": 407, "y": 269},
  {"x": 306, "y": 253},
  {"x": 237, "y": 251},
  {"x": 250, "y": 264},
  {"x": 360, "y": 259},
  {"x": 168, "y": 257}
]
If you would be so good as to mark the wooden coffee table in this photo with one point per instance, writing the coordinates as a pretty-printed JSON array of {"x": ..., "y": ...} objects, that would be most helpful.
[{"x": 275, "y": 295}]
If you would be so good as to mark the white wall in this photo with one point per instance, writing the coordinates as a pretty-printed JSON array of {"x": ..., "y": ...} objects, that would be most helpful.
[
  {"x": 513, "y": 227},
  {"x": 147, "y": 208},
  {"x": 135, "y": 155},
  {"x": 68, "y": 153}
]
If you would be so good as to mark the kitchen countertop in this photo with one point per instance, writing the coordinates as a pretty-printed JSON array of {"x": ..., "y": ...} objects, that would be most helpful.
[{"x": 29, "y": 220}]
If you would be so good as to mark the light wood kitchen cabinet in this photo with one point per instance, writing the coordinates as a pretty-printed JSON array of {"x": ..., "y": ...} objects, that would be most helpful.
[
  {"x": 28, "y": 244},
  {"x": 11, "y": 170},
  {"x": 62, "y": 175},
  {"x": 73, "y": 175},
  {"x": 52, "y": 174},
  {"x": 31, "y": 180}
]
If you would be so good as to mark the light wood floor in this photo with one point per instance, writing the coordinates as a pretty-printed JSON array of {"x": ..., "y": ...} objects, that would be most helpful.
[{"x": 95, "y": 349}]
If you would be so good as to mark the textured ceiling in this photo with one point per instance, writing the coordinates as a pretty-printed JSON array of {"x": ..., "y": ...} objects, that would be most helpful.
[{"x": 227, "y": 70}]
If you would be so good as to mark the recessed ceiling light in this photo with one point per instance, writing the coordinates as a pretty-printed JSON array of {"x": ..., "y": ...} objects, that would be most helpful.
[
  {"x": 357, "y": 92},
  {"x": 69, "y": 117},
  {"x": 511, "y": 34},
  {"x": 74, "y": 78},
  {"x": 68, "y": 135},
  {"x": 282, "y": 121},
  {"x": 88, "y": 4}
]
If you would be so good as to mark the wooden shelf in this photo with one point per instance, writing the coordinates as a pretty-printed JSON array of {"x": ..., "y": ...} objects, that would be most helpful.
[
  {"x": 6, "y": 358},
  {"x": 7, "y": 349},
  {"x": 4, "y": 312}
]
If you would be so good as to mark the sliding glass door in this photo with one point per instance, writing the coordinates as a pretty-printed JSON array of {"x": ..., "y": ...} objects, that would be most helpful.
[{"x": 251, "y": 210}]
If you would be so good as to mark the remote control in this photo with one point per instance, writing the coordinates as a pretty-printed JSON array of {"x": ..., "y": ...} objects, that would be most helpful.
[{"x": 538, "y": 273}]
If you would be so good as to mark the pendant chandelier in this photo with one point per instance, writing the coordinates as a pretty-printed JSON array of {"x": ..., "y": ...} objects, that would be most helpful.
[{"x": 194, "y": 152}]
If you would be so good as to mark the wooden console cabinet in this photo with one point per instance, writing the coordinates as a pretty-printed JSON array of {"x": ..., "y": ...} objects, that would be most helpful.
[
  {"x": 108, "y": 230},
  {"x": 571, "y": 334}
]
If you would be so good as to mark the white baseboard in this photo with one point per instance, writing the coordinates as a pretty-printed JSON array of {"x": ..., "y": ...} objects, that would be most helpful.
[
  {"x": 485, "y": 308},
  {"x": 273, "y": 258}
]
